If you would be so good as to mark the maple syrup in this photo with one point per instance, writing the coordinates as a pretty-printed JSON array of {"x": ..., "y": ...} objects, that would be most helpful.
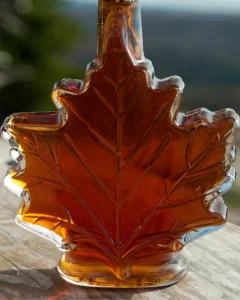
[{"x": 118, "y": 178}]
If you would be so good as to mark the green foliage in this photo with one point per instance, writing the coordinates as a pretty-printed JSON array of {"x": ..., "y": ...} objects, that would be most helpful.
[
  {"x": 33, "y": 42},
  {"x": 232, "y": 199}
]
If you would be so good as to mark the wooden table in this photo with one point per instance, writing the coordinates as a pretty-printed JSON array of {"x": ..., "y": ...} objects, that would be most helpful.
[{"x": 28, "y": 263}]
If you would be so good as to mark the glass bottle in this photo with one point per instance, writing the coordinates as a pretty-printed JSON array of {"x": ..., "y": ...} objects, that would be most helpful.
[{"x": 118, "y": 178}]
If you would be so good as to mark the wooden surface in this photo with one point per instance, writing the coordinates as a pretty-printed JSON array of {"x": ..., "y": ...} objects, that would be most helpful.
[{"x": 28, "y": 263}]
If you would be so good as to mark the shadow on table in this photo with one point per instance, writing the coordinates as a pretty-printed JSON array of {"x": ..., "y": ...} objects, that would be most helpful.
[{"x": 17, "y": 283}]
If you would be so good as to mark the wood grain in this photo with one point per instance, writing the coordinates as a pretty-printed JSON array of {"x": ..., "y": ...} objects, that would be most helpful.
[{"x": 28, "y": 263}]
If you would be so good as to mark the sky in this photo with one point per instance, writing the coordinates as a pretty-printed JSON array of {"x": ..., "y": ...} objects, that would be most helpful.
[{"x": 208, "y": 6}]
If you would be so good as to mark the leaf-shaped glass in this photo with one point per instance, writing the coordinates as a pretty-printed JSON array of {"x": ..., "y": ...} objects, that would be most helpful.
[{"x": 118, "y": 178}]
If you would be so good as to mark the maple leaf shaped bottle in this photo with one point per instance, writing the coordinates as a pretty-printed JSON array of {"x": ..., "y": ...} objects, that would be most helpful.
[{"x": 118, "y": 178}]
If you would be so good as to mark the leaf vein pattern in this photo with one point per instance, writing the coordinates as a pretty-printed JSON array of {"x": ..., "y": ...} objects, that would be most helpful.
[
  {"x": 75, "y": 193},
  {"x": 59, "y": 221},
  {"x": 104, "y": 101},
  {"x": 70, "y": 142},
  {"x": 93, "y": 133},
  {"x": 161, "y": 150},
  {"x": 145, "y": 137},
  {"x": 164, "y": 200}
]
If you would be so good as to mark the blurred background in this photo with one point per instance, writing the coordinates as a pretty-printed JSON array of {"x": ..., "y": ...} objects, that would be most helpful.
[{"x": 43, "y": 41}]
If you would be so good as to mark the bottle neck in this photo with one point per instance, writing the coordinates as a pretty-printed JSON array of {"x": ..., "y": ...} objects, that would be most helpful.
[{"x": 120, "y": 18}]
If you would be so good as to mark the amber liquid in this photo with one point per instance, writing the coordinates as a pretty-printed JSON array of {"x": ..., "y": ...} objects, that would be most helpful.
[{"x": 118, "y": 173}]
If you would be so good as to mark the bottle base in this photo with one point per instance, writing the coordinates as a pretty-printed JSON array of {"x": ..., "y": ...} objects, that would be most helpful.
[{"x": 162, "y": 276}]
